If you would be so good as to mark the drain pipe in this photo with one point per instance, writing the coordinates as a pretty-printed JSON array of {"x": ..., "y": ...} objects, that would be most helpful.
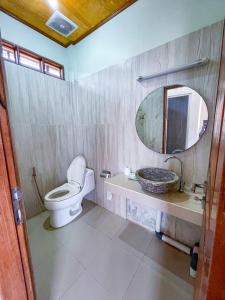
[{"x": 168, "y": 240}]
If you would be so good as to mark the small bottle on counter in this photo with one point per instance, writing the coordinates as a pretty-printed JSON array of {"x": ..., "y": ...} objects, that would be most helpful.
[{"x": 127, "y": 171}]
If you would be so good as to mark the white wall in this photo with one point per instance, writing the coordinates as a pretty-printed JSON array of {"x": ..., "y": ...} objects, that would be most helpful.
[
  {"x": 144, "y": 25},
  {"x": 24, "y": 36}
]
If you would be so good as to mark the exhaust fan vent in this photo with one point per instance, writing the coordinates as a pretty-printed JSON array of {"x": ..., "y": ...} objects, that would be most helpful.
[{"x": 61, "y": 24}]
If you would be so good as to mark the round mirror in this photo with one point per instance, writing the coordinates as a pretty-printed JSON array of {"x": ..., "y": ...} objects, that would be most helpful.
[{"x": 171, "y": 119}]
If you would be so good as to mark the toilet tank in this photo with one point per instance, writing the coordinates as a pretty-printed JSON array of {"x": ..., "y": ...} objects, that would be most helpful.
[{"x": 89, "y": 182}]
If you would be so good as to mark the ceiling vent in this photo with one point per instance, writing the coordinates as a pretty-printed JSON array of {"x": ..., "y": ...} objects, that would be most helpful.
[{"x": 61, "y": 24}]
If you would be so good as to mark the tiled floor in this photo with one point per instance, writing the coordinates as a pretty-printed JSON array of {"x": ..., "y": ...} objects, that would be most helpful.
[{"x": 101, "y": 256}]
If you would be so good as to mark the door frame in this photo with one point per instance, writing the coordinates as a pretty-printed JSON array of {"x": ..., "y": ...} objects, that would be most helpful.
[
  {"x": 210, "y": 282},
  {"x": 12, "y": 179}
]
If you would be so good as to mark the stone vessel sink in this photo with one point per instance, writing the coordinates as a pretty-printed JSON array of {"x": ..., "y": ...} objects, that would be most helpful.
[{"x": 157, "y": 180}]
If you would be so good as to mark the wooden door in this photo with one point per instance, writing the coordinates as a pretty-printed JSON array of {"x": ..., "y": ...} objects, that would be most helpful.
[
  {"x": 210, "y": 282},
  {"x": 177, "y": 123},
  {"x": 15, "y": 271}
]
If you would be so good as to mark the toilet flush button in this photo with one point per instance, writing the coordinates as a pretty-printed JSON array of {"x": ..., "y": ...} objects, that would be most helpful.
[{"x": 109, "y": 196}]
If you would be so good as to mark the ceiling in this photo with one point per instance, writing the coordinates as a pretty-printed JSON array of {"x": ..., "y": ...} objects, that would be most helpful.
[{"x": 87, "y": 14}]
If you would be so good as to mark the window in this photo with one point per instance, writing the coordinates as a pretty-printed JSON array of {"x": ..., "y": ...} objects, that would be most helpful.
[
  {"x": 25, "y": 59},
  {"x": 31, "y": 60},
  {"x": 8, "y": 52},
  {"x": 53, "y": 70}
]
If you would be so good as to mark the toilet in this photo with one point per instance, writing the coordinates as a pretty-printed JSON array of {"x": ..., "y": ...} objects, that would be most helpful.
[{"x": 64, "y": 202}]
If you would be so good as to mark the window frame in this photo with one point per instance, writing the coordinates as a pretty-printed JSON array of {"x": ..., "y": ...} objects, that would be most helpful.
[
  {"x": 11, "y": 46},
  {"x": 42, "y": 60},
  {"x": 53, "y": 64},
  {"x": 31, "y": 55}
]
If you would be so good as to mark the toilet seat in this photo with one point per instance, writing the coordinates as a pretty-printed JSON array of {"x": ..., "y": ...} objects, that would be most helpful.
[
  {"x": 63, "y": 192},
  {"x": 75, "y": 178},
  {"x": 64, "y": 202}
]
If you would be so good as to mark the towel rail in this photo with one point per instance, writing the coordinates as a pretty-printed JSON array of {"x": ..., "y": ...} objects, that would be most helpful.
[{"x": 197, "y": 63}]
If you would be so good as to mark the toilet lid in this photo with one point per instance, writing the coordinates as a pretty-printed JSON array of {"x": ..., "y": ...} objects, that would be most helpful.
[{"x": 76, "y": 171}]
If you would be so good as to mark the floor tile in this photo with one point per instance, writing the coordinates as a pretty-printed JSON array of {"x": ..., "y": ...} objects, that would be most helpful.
[
  {"x": 114, "y": 268},
  {"x": 102, "y": 256},
  {"x": 56, "y": 274},
  {"x": 137, "y": 237},
  {"x": 87, "y": 288},
  {"x": 93, "y": 214},
  {"x": 42, "y": 244},
  {"x": 87, "y": 206},
  {"x": 170, "y": 258},
  {"x": 86, "y": 244},
  {"x": 104, "y": 221},
  {"x": 151, "y": 283},
  {"x": 69, "y": 232},
  {"x": 127, "y": 248},
  {"x": 36, "y": 221}
]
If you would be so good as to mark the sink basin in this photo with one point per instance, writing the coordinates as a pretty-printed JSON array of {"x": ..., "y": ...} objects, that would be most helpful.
[{"x": 157, "y": 180}]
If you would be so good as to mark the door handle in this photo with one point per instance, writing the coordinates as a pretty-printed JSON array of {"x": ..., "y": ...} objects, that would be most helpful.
[
  {"x": 17, "y": 198},
  {"x": 203, "y": 201}
]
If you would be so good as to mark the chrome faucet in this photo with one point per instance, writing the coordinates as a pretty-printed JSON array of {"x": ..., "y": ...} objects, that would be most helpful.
[{"x": 181, "y": 186}]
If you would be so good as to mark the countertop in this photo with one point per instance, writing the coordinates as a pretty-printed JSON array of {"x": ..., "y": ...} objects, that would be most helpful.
[{"x": 181, "y": 205}]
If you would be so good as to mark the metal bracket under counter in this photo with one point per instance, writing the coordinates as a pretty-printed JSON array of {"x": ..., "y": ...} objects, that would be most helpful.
[{"x": 180, "y": 205}]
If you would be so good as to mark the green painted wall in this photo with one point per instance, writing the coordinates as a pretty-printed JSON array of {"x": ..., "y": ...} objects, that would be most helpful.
[
  {"x": 22, "y": 35},
  {"x": 144, "y": 25}
]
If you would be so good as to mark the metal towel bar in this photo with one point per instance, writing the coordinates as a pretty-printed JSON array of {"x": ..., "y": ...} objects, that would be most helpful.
[{"x": 197, "y": 63}]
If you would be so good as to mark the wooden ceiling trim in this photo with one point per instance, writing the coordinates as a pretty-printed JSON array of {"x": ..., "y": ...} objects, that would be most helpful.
[
  {"x": 104, "y": 21},
  {"x": 88, "y": 18}
]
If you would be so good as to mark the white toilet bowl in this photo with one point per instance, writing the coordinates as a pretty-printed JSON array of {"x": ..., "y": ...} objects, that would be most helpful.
[{"x": 64, "y": 202}]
